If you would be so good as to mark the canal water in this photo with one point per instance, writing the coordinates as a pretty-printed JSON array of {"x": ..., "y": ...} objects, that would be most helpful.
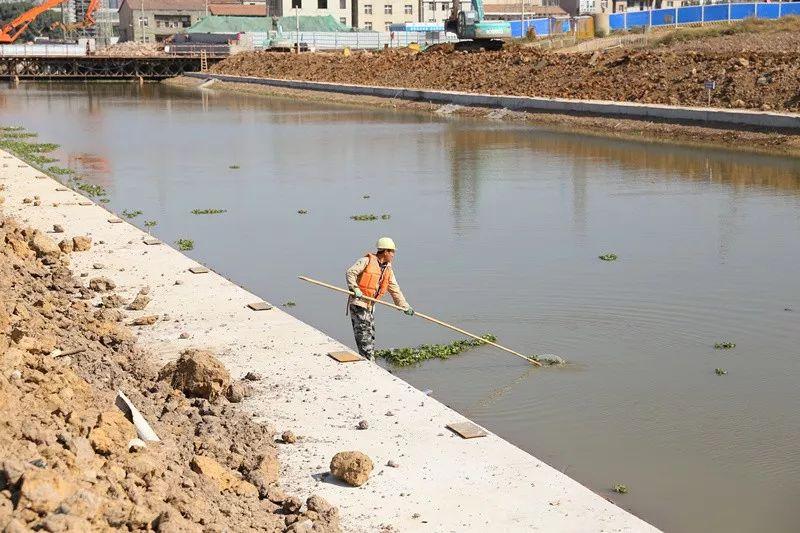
[{"x": 499, "y": 228}]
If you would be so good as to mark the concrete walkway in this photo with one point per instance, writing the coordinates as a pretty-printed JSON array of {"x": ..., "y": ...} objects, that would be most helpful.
[
  {"x": 443, "y": 483},
  {"x": 769, "y": 120}
]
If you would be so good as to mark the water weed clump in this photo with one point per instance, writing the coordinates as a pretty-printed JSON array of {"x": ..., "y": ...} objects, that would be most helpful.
[
  {"x": 19, "y": 135},
  {"x": 90, "y": 189},
  {"x": 60, "y": 170},
  {"x": 234, "y": 167},
  {"x": 608, "y": 257},
  {"x": 11, "y": 128},
  {"x": 385, "y": 216},
  {"x": 208, "y": 211},
  {"x": 363, "y": 217},
  {"x": 724, "y": 345},
  {"x": 289, "y": 304},
  {"x": 131, "y": 214},
  {"x": 149, "y": 224},
  {"x": 302, "y": 211},
  {"x": 620, "y": 488},
  {"x": 184, "y": 245},
  {"x": 423, "y": 352},
  {"x": 720, "y": 371}
]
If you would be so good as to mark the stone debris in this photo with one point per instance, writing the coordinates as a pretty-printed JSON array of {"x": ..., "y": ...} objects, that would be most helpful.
[
  {"x": 58, "y": 228},
  {"x": 238, "y": 391},
  {"x": 363, "y": 425},
  {"x": 352, "y": 467},
  {"x": 147, "y": 320},
  {"x": 288, "y": 437},
  {"x": 253, "y": 376},
  {"x": 140, "y": 302},
  {"x": 198, "y": 374},
  {"x": 392, "y": 464},
  {"x": 81, "y": 243},
  {"x": 102, "y": 284}
]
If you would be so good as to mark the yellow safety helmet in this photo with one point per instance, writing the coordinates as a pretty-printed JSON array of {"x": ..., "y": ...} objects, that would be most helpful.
[{"x": 385, "y": 243}]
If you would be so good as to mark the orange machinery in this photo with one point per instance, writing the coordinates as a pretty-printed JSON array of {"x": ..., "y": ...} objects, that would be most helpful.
[{"x": 10, "y": 32}]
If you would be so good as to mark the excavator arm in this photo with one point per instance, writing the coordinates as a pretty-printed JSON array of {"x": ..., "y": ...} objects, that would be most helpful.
[
  {"x": 11, "y": 31},
  {"x": 88, "y": 19}
]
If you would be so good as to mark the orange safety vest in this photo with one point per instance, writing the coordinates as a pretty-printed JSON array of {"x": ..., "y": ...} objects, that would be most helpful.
[{"x": 371, "y": 282}]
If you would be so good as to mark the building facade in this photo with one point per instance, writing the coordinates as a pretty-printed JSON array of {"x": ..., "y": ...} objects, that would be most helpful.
[
  {"x": 341, "y": 10},
  {"x": 378, "y": 15},
  {"x": 438, "y": 11},
  {"x": 151, "y": 21}
]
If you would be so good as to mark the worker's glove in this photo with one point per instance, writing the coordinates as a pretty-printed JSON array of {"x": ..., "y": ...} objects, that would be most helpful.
[
  {"x": 409, "y": 311},
  {"x": 357, "y": 292}
]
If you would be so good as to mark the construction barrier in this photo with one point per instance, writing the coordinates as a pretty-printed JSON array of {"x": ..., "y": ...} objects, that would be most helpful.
[
  {"x": 38, "y": 50},
  {"x": 355, "y": 40},
  {"x": 543, "y": 27},
  {"x": 677, "y": 16}
]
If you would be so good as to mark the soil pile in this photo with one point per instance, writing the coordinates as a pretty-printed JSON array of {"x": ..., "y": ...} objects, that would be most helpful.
[
  {"x": 71, "y": 460},
  {"x": 765, "y": 77},
  {"x": 132, "y": 49}
]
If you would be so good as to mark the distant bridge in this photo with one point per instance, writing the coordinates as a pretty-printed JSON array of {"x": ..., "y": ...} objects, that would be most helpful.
[{"x": 99, "y": 67}]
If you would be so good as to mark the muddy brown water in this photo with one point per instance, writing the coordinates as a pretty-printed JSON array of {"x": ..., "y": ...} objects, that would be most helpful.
[{"x": 498, "y": 229}]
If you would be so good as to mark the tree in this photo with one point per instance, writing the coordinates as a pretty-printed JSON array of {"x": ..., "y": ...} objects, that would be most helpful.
[{"x": 38, "y": 28}]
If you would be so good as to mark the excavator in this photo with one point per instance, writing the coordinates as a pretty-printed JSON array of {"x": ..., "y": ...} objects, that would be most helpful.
[
  {"x": 478, "y": 32},
  {"x": 11, "y": 32}
]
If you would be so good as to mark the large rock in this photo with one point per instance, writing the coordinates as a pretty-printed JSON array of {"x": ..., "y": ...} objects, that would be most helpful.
[
  {"x": 42, "y": 491},
  {"x": 353, "y": 468},
  {"x": 222, "y": 477},
  {"x": 112, "y": 433},
  {"x": 140, "y": 302},
  {"x": 44, "y": 246},
  {"x": 198, "y": 374},
  {"x": 102, "y": 284},
  {"x": 81, "y": 243}
]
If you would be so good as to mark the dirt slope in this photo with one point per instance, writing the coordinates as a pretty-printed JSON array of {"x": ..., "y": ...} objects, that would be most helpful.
[
  {"x": 756, "y": 70},
  {"x": 66, "y": 462}
]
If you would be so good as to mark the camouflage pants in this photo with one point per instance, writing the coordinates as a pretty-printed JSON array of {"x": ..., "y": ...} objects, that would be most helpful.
[{"x": 364, "y": 330}]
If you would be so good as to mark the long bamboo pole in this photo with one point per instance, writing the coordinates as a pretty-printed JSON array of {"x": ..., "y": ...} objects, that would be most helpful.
[{"x": 426, "y": 317}]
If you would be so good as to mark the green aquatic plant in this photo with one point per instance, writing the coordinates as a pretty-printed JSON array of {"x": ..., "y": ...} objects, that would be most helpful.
[
  {"x": 185, "y": 245},
  {"x": 720, "y": 371},
  {"x": 234, "y": 167},
  {"x": 11, "y": 128},
  {"x": 385, "y": 216},
  {"x": 131, "y": 214},
  {"x": 620, "y": 488},
  {"x": 302, "y": 211},
  {"x": 90, "y": 189},
  {"x": 40, "y": 160},
  {"x": 423, "y": 352},
  {"x": 208, "y": 211},
  {"x": 289, "y": 304},
  {"x": 364, "y": 217},
  {"x": 19, "y": 135},
  {"x": 608, "y": 257},
  {"x": 365, "y": 196},
  {"x": 149, "y": 224},
  {"x": 724, "y": 345},
  {"x": 60, "y": 170}
]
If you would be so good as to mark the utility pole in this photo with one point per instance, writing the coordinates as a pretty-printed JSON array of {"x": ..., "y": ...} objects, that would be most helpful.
[
  {"x": 141, "y": 19},
  {"x": 297, "y": 27},
  {"x": 523, "y": 19}
]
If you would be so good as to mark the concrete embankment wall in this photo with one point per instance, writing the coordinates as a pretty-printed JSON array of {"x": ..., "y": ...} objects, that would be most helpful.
[
  {"x": 442, "y": 483},
  {"x": 651, "y": 112}
]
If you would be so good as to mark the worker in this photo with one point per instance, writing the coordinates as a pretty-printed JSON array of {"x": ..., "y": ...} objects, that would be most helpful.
[{"x": 372, "y": 276}]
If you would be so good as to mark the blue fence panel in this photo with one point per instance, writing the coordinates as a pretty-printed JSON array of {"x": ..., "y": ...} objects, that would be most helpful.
[
  {"x": 767, "y": 11},
  {"x": 690, "y": 14},
  {"x": 565, "y": 28},
  {"x": 742, "y": 11},
  {"x": 792, "y": 8},
  {"x": 663, "y": 17},
  {"x": 716, "y": 13},
  {"x": 540, "y": 26},
  {"x": 616, "y": 21},
  {"x": 638, "y": 18}
]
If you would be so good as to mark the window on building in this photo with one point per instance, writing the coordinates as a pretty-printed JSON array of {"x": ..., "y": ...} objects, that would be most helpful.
[
  {"x": 386, "y": 26},
  {"x": 432, "y": 6},
  {"x": 322, "y": 4},
  {"x": 297, "y": 4},
  {"x": 445, "y": 7},
  {"x": 342, "y": 4},
  {"x": 367, "y": 25},
  {"x": 343, "y": 20},
  {"x": 387, "y": 9},
  {"x": 408, "y": 9},
  {"x": 431, "y": 20},
  {"x": 368, "y": 9}
]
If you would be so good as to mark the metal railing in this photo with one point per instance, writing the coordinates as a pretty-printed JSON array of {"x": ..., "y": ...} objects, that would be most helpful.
[{"x": 52, "y": 50}]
